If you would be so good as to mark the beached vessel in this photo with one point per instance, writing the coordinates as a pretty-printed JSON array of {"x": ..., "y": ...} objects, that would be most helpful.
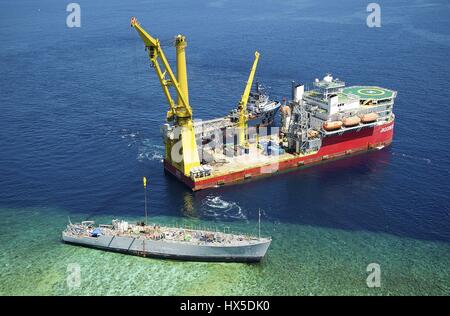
[{"x": 167, "y": 242}]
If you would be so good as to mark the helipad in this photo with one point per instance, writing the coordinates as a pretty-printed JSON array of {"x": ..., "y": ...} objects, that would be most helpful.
[{"x": 367, "y": 92}]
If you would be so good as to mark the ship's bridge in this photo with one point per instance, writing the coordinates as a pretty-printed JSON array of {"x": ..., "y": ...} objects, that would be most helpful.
[{"x": 329, "y": 85}]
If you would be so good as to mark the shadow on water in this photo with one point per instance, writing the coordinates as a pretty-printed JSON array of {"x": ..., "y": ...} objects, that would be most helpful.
[{"x": 353, "y": 194}]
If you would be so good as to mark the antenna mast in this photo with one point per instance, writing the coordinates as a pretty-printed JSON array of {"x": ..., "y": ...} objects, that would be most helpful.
[
  {"x": 259, "y": 223},
  {"x": 144, "y": 180}
]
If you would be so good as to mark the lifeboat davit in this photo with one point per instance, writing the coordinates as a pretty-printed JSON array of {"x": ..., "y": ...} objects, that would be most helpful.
[
  {"x": 351, "y": 121},
  {"x": 332, "y": 126},
  {"x": 369, "y": 118}
]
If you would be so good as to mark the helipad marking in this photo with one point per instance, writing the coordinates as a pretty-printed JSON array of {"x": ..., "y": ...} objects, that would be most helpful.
[{"x": 371, "y": 92}]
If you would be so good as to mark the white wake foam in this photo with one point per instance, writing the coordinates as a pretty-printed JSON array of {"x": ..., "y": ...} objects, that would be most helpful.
[
  {"x": 427, "y": 160},
  {"x": 132, "y": 137},
  {"x": 146, "y": 149},
  {"x": 149, "y": 151},
  {"x": 216, "y": 207}
]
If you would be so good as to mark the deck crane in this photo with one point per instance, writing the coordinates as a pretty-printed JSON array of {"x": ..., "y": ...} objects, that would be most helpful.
[
  {"x": 242, "y": 107},
  {"x": 184, "y": 157}
]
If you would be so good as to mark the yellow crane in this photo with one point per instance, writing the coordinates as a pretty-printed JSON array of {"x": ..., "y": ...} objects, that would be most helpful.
[
  {"x": 184, "y": 157},
  {"x": 242, "y": 107}
]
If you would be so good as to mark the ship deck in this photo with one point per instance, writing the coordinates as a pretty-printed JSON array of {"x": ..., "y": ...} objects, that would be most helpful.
[
  {"x": 168, "y": 234},
  {"x": 256, "y": 158}
]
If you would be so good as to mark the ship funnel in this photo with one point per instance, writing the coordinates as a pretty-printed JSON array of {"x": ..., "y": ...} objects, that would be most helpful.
[{"x": 297, "y": 92}]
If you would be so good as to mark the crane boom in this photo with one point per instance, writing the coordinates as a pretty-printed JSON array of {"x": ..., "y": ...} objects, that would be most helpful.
[
  {"x": 243, "y": 114},
  {"x": 154, "y": 50},
  {"x": 180, "y": 153}
]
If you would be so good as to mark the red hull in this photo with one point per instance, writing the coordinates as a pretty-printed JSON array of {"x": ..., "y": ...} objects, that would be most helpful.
[{"x": 333, "y": 147}]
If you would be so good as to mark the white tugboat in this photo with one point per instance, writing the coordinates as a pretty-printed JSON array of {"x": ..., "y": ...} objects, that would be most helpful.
[{"x": 261, "y": 109}]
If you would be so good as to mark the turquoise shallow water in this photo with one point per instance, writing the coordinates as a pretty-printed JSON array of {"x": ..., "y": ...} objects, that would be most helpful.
[{"x": 302, "y": 260}]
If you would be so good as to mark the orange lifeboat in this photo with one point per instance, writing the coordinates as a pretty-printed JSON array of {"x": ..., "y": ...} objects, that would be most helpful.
[
  {"x": 351, "y": 121},
  {"x": 313, "y": 134},
  {"x": 369, "y": 117},
  {"x": 286, "y": 110},
  {"x": 331, "y": 126}
]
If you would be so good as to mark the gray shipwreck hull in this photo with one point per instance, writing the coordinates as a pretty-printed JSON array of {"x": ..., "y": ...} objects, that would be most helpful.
[{"x": 174, "y": 250}]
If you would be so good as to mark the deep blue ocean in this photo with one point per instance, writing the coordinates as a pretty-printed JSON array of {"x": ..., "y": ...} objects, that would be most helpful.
[{"x": 80, "y": 117}]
